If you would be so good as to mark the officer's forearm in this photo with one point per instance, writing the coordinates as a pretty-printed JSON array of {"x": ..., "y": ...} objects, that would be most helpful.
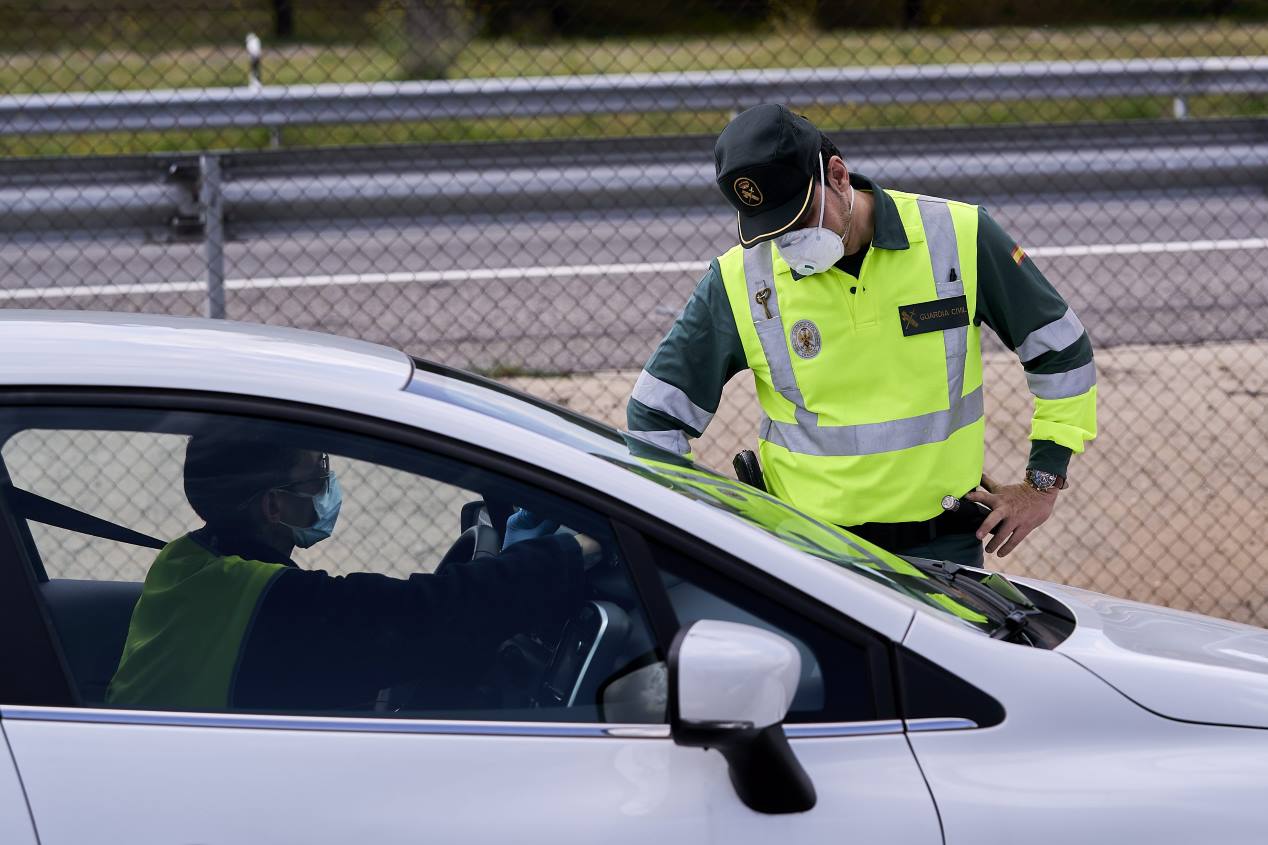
[{"x": 1049, "y": 457}]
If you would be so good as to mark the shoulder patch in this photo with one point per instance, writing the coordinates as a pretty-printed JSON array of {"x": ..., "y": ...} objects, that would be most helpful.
[{"x": 1019, "y": 254}]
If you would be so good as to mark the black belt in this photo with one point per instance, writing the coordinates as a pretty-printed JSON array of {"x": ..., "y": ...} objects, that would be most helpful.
[{"x": 896, "y": 536}]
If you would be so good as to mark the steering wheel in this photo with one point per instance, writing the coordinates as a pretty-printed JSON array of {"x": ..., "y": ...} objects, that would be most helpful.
[
  {"x": 586, "y": 652},
  {"x": 478, "y": 541}
]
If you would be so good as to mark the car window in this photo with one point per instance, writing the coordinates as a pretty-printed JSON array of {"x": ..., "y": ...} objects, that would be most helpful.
[
  {"x": 697, "y": 482},
  {"x": 82, "y": 469},
  {"x": 837, "y": 683},
  {"x": 208, "y": 562}
]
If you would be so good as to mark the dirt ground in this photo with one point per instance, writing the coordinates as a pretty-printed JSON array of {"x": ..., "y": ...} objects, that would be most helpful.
[{"x": 1169, "y": 505}]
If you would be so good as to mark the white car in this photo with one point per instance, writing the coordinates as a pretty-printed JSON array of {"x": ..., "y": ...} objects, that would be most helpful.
[{"x": 732, "y": 671}]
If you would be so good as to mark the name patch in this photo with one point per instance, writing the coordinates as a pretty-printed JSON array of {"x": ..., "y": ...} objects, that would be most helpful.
[{"x": 935, "y": 316}]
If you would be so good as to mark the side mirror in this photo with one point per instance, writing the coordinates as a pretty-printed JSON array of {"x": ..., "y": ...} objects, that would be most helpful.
[{"x": 730, "y": 687}]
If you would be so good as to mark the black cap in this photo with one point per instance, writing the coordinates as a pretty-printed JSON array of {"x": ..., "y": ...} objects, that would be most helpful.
[{"x": 766, "y": 161}]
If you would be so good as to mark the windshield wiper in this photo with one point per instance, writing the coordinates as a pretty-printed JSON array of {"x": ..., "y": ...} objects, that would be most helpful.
[
  {"x": 993, "y": 589},
  {"x": 1013, "y": 623}
]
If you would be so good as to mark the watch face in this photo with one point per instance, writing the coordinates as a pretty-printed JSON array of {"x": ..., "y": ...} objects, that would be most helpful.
[
  {"x": 1041, "y": 479},
  {"x": 950, "y": 503}
]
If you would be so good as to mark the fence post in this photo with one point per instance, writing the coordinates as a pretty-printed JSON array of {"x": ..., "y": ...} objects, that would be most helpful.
[{"x": 211, "y": 200}]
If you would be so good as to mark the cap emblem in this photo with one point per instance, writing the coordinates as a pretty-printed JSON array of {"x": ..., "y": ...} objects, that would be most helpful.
[{"x": 748, "y": 192}]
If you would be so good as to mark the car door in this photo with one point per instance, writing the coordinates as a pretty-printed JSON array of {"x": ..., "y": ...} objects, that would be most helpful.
[
  {"x": 843, "y": 723},
  {"x": 15, "y": 818},
  {"x": 535, "y": 746}
]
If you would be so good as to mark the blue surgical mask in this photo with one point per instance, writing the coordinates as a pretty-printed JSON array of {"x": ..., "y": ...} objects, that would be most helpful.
[{"x": 326, "y": 504}]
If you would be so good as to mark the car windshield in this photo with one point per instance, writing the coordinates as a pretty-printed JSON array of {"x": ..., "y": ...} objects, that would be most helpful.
[{"x": 701, "y": 484}]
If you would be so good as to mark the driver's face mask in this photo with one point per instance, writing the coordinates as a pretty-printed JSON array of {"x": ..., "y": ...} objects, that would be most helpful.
[
  {"x": 326, "y": 504},
  {"x": 814, "y": 249}
]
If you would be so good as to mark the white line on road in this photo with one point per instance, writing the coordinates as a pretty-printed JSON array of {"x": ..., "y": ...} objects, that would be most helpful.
[
  {"x": 1148, "y": 248},
  {"x": 559, "y": 271}
]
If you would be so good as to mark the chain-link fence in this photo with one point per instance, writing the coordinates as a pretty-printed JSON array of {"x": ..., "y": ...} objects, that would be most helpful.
[{"x": 526, "y": 189}]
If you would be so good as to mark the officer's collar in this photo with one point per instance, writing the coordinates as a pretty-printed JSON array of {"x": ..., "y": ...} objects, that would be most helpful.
[{"x": 887, "y": 226}]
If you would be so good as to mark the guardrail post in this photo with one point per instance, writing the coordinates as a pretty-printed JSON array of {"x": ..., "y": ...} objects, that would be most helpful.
[{"x": 211, "y": 200}]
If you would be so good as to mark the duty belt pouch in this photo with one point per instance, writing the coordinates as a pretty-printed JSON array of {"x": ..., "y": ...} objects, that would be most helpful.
[{"x": 748, "y": 470}]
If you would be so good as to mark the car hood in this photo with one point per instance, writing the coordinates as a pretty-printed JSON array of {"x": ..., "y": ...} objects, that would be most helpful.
[{"x": 1177, "y": 664}]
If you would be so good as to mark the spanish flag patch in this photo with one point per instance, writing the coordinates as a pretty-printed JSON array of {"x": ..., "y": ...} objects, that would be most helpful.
[{"x": 1019, "y": 255}]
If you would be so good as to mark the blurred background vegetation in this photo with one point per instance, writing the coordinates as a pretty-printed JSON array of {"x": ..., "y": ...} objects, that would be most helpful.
[
  {"x": 87, "y": 24},
  {"x": 104, "y": 45}
]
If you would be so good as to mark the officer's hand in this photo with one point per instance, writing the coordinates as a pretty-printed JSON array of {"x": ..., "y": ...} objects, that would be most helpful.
[
  {"x": 525, "y": 525},
  {"x": 1016, "y": 510}
]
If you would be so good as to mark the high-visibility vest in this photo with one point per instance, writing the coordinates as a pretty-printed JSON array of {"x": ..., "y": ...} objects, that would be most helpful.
[
  {"x": 863, "y": 423},
  {"x": 188, "y": 627}
]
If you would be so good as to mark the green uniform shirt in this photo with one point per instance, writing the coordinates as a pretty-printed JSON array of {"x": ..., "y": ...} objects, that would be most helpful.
[{"x": 703, "y": 348}]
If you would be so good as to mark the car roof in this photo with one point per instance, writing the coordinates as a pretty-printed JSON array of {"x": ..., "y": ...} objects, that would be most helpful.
[{"x": 145, "y": 350}]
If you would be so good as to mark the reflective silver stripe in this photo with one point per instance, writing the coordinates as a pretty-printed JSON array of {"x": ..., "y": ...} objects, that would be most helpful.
[
  {"x": 1053, "y": 337},
  {"x": 874, "y": 438},
  {"x": 1063, "y": 385},
  {"x": 944, "y": 259},
  {"x": 949, "y": 723},
  {"x": 759, "y": 275},
  {"x": 387, "y": 724},
  {"x": 664, "y": 397},
  {"x": 827, "y": 729},
  {"x": 671, "y": 441}
]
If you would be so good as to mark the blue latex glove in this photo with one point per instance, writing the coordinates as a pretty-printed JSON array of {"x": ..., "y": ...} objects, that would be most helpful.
[{"x": 526, "y": 525}]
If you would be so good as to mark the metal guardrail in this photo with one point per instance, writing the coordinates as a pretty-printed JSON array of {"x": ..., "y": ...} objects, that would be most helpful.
[
  {"x": 545, "y": 96},
  {"x": 214, "y": 197},
  {"x": 165, "y": 197}
]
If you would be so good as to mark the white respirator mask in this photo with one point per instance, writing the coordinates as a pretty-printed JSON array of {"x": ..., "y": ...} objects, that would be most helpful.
[{"x": 813, "y": 250}]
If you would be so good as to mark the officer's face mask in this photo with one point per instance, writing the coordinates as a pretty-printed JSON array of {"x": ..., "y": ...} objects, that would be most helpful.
[
  {"x": 326, "y": 504},
  {"x": 814, "y": 249}
]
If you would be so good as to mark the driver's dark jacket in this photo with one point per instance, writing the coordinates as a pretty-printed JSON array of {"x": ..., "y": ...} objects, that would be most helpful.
[{"x": 316, "y": 641}]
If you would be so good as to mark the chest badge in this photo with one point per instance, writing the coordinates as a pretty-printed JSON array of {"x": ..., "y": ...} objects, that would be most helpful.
[
  {"x": 936, "y": 315},
  {"x": 806, "y": 340}
]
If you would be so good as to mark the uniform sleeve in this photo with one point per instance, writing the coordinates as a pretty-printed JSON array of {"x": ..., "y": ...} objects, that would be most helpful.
[
  {"x": 678, "y": 391},
  {"x": 1032, "y": 319},
  {"x": 322, "y": 641}
]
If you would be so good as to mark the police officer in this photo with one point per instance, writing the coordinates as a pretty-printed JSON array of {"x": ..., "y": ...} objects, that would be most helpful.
[
  {"x": 858, "y": 310},
  {"x": 227, "y": 620}
]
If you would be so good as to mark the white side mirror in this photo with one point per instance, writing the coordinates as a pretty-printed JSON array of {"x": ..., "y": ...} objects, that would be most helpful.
[
  {"x": 736, "y": 674},
  {"x": 730, "y": 686}
]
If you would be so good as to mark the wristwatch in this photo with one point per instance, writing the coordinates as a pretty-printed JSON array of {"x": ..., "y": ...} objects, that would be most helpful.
[{"x": 1043, "y": 481}]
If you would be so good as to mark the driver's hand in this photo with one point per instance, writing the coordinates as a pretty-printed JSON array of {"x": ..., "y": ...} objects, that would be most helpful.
[
  {"x": 526, "y": 525},
  {"x": 591, "y": 550}
]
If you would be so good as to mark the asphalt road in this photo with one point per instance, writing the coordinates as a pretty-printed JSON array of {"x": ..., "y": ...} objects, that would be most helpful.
[{"x": 1168, "y": 288}]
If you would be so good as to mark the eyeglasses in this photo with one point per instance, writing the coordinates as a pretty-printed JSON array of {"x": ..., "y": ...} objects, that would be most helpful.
[{"x": 309, "y": 488}]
